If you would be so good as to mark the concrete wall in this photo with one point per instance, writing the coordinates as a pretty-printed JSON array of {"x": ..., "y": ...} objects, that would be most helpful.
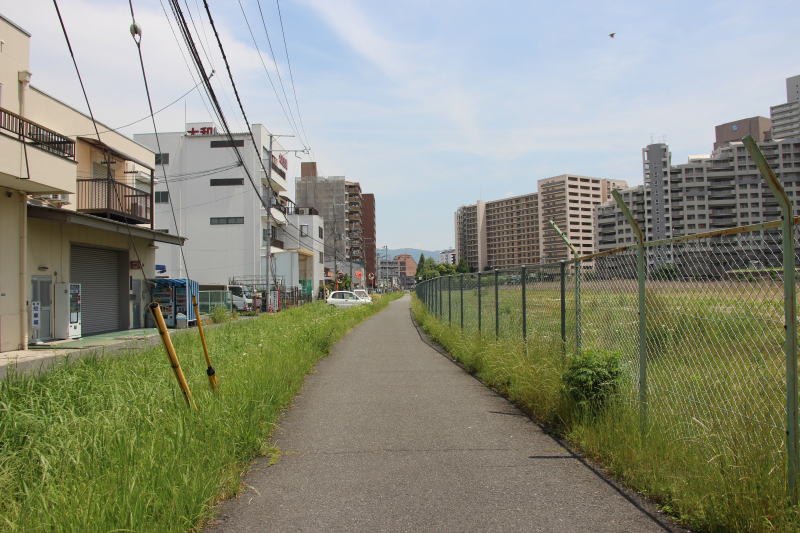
[{"x": 12, "y": 219}]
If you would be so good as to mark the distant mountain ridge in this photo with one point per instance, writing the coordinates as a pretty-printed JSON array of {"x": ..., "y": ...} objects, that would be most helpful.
[{"x": 413, "y": 252}]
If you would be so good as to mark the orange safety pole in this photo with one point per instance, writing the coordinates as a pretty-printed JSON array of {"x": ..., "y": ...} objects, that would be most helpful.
[
  {"x": 212, "y": 375},
  {"x": 155, "y": 309}
]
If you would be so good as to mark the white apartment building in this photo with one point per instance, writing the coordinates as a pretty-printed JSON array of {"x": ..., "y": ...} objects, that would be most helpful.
[
  {"x": 707, "y": 193},
  {"x": 215, "y": 205},
  {"x": 302, "y": 263},
  {"x": 786, "y": 117},
  {"x": 448, "y": 257}
]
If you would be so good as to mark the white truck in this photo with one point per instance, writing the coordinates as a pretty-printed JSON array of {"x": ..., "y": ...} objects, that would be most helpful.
[{"x": 240, "y": 295}]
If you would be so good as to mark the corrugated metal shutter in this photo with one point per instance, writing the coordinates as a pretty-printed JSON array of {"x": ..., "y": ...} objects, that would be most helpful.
[{"x": 97, "y": 270}]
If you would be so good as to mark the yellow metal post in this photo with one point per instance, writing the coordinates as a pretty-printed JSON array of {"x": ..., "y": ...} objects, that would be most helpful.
[
  {"x": 212, "y": 375},
  {"x": 155, "y": 309}
]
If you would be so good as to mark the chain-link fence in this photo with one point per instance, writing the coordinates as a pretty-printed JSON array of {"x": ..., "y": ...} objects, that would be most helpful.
[
  {"x": 208, "y": 300},
  {"x": 704, "y": 354},
  {"x": 699, "y": 322}
]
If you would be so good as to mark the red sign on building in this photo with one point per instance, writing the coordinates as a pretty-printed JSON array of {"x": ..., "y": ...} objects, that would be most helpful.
[{"x": 206, "y": 130}]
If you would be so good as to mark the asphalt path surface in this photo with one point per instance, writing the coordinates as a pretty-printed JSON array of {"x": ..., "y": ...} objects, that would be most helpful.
[{"x": 390, "y": 435}]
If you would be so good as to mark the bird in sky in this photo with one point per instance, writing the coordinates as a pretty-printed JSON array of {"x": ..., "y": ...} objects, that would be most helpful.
[{"x": 612, "y": 35}]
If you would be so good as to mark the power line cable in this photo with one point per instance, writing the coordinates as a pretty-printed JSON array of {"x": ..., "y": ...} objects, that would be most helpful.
[
  {"x": 278, "y": 72},
  {"x": 99, "y": 140},
  {"x": 241, "y": 108},
  {"x": 185, "y": 61},
  {"x": 183, "y": 28},
  {"x": 178, "y": 99},
  {"x": 291, "y": 75},
  {"x": 289, "y": 119},
  {"x": 136, "y": 34}
]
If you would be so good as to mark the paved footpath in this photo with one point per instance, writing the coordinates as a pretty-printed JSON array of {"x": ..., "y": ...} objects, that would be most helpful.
[{"x": 389, "y": 435}]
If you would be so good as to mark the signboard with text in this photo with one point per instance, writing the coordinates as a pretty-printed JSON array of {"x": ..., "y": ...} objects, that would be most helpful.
[{"x": 200, "y": 128}]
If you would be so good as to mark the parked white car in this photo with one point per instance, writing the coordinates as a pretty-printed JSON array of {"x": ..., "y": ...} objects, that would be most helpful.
[
  {"x": 345, "y": 299},
  {"x": 364, "y": 295}
]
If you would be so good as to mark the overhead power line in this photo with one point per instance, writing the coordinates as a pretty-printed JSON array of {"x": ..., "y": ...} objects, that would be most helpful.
[
  {"x": 289, "y": 117},
  {"x": 291, "y": 75},
  {"x": 192, "y": 49},
  {"x": 97, "y": 133},
  {"x": 137, "y": 38}
]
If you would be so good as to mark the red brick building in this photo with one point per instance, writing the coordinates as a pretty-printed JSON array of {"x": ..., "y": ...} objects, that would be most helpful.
[{"x": 368, "y": 233}]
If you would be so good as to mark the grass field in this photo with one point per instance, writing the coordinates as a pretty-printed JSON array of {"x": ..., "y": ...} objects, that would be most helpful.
[
  {"x": 109, "y": 445},
  {"x": 714, "y": 446}
]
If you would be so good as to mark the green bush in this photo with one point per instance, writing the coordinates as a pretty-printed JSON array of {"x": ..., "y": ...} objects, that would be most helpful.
[
  {"x": 219, "y": 315},
  {"x": 592, "y": 377}
]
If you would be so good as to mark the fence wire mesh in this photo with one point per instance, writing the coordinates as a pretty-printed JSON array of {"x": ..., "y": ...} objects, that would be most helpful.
[{"x": 713, "y": 321}]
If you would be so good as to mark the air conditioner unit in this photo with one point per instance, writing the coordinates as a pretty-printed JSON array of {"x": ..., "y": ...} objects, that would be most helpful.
[{"x": 57, "y": 199}]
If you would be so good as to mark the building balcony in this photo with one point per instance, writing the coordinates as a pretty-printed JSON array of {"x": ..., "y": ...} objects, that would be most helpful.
[
  {"x": 49, "y": 157},
  {"x": 114, "y": 200},
  {"x": 277, "y": 177},
  {"x": 35, "y": 135}
]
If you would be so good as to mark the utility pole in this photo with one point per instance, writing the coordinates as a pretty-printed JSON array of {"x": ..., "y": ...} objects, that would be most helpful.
[{"x": 269, "y": 219}]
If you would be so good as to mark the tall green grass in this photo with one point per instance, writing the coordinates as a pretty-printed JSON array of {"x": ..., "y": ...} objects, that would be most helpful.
[
  {"x": 713, "y": 473},
  {"x": 108, "y": 444}
]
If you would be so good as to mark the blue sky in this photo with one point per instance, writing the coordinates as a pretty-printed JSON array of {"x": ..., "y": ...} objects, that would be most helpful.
[{"x": 433, "y": 105}]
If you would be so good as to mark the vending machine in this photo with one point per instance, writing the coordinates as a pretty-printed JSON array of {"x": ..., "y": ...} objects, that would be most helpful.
[
  {"x": 175, "y": 298},
  {"x": 163, "y": 295},
  {"x": 68, "y": 311}
]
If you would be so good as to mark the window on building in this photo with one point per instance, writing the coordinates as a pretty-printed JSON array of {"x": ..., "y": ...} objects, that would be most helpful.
[
  {"x": 320, "y": 232},
  {"x": 162, "y": 197},
  {"x": 227, "y": 144},
  {"x": 217, "y": 221},
  {"x": 222, "y": 182},
  {"x": 162, "y": 159},
  {"x": 321, "y": 258},
  {"x": 304, "y": 230}
]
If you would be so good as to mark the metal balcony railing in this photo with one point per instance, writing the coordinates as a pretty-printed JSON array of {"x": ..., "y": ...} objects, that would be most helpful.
[
  {"x": 111, "y": 199},
  {"x": 36, "y": 135}
]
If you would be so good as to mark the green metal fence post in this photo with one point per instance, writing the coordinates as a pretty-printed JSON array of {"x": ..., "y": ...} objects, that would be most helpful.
[
  {"x": 524, "y": 279},
  {"x": 496, "y": 305},
  {"x": 461, "y": 301},
  {"x": 449, "y": 300},
  {"x": 790, "y": 318},
  {"x": 479, "y": 304},
  {"x": 439, "y": 291},
  {"x": 563, "y": 276},
  {"x": 577, "y": 266},
  {"x": 641, "y": 274}
]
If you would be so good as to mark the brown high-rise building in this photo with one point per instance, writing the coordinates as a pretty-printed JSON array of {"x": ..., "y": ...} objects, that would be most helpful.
[
  {"x": 368, "y": 233},
  {"x": 515, "y": 231},
  {"x": 349, "y": 224}
]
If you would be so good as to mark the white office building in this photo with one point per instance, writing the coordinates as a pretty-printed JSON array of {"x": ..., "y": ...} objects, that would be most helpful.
[{"x": 215, "y": 205}]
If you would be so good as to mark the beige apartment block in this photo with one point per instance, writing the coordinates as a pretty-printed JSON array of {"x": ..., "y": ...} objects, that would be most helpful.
[
  {"x": 73, "y": 210},
  {"x": 512, "y": 232}
]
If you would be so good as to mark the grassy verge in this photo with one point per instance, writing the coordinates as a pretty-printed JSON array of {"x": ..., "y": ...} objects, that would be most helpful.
[
  {"x": 108, "y": 444},
  {"x": 708, "y": 477}
]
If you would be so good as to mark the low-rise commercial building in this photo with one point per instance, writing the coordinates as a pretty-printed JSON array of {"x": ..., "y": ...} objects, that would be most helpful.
[{"x": 77, "y": 235}]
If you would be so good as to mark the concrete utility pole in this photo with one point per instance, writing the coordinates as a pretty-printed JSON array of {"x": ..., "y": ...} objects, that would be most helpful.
[{"x": 269, "y": 217}]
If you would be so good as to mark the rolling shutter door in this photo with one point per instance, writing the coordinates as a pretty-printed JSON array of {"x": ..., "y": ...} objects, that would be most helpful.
[{"x": 97, "y": 270}]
